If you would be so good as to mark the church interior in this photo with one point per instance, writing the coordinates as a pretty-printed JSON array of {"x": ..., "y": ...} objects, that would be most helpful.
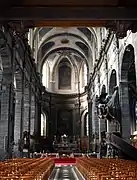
[{"x": 68, "y": 90}]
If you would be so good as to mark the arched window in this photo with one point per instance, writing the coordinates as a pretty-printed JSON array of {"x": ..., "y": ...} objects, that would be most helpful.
[
  {"x": 43, "y": 125},
  {"x": 45, "y": 75},
  {"x": 64, "y": 73},
  {"x": 15, "y": 85},
  {"x": 85, "y": 75},
  {"x": 113, "y": 82}
]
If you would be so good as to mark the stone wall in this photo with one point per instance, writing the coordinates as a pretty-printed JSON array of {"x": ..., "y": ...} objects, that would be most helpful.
[
  {"x": 19, "y": 83},
  {"x": 111, "y": 58},
  {"x": 55, "y": 104}
]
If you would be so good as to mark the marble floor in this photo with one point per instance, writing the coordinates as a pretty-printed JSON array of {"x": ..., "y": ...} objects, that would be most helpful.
[{"x": 66, "y": 173}]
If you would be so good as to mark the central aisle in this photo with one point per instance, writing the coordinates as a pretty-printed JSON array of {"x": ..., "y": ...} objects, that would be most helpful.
[{"x": 65, "y": 173}]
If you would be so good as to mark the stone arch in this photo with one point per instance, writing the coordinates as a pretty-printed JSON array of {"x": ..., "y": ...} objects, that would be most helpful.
[
  {"x": 71, "y": 60},
  {"x": 112, "y": 81},
  {"x": 77, "y": 34},
  {"x": 67, "y": 63},
  {"x": 128, "y": 93},
  {"x": 48, "y": 37},
  {"x": 67, "y": 40},
  {"x": 83, "y": 47},
  {"x": 54, "y": 71},
  {"x": 39, "y": 32},
  {"x": 43, "y": 31},
  {"x": 86, "y": 32},
  {"x": 128, "y": 58},
  {"x": 65, "y": 49},
  {"x": 46, "y": 47}
]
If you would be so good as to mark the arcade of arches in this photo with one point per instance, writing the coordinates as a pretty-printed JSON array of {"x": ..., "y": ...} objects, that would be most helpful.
[{"x": 74, "y": 82}]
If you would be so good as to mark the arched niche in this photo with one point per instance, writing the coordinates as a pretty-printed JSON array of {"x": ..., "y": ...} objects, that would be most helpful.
[
  {"x": 64, "y": 75},
  {"x": 128, "y": 91},
  {"x": 103, "y": 89},
  {"x": 114, "y": 104},
  {"x": 112, "y": 82}
]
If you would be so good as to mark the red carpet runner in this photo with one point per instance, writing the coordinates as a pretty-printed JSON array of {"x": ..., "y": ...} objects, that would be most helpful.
[{"x": 65, "y": 161}]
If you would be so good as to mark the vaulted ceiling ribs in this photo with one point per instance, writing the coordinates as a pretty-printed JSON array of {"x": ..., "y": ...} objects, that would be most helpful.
[{"x": 76, "y": 41}]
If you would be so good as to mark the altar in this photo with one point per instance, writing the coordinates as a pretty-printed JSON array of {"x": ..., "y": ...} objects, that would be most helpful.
[{"x": 65, "y": 146}]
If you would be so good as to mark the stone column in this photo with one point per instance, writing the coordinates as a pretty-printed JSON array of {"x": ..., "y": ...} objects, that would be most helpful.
[
  {"x": 36, "y": 114},
  {"x": 33, "y": 115},
  {"x": 95, "y": 124},
  {"x": 18, "y": 112},
  {"x": 125, "y": 116},
  {"x": 77, "y": 120},
  {"x": 29, "y": 114},
  {"x": 90, "y": 124},
  {"x": 22, "y": 109},
  {"x": 26, "y": 107},
  {"x": 6, "y": 121},
  {"x": 11, "y": 120},
  {"x": 37, "y": 125}
]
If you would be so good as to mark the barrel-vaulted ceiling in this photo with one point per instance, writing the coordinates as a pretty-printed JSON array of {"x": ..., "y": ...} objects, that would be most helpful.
[{"x": 78, "y": 44}]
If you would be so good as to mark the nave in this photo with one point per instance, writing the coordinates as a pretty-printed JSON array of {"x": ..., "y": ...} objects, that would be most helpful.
[
  {"x": 84, "y": 168},
  {"x": 66, "y": 172}
]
